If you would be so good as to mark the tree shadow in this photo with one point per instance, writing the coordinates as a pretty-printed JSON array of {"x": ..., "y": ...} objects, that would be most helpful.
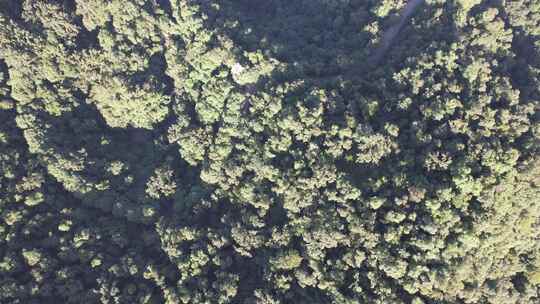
[
  {"x": 314, "y": 38},
  {"x": 321, "y": 44},
  {"x": 166, "y": 6},
  {"x": 116, "y": 239},
  {"x": 111, "y": 166}
]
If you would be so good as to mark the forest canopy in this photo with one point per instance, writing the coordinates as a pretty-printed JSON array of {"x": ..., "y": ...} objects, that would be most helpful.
[{"x": 268, "y": 152}]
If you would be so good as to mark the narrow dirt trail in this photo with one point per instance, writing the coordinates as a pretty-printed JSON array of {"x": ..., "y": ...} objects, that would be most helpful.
[{"x": 390, "y": 35}]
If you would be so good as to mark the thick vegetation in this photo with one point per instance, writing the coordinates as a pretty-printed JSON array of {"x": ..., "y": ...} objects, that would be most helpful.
[{"x": 278, "y": 151}]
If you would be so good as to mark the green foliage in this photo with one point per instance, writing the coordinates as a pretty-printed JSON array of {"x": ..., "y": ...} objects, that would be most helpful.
[
  {"x": 190, "y": 151},
  {"x": 123, "y": 107},
  {"x": 287, "y": 260}
]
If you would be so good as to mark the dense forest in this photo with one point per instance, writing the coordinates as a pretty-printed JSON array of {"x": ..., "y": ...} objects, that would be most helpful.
[{"x": 270, "y": 151}]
